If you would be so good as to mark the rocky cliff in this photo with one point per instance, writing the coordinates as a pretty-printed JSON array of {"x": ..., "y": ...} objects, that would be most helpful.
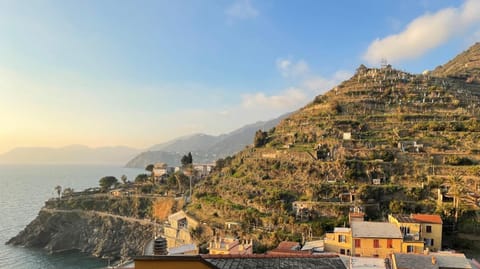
[{"x": 96, "y": 233}]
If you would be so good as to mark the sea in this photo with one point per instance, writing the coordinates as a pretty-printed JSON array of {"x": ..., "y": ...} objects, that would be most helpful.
[{"x": 24, "y": 190}]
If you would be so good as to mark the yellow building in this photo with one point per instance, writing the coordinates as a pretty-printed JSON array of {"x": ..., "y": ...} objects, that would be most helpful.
[
  {"x": 423, "y": 228},
  {"x": 177, "y": 232},
  {"x": 365, "y": 239},
  {"x": 340, "y": 241}
]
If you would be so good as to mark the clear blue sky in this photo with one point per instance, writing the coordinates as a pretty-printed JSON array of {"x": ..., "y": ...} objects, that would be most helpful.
[{"x": 137, "y": 73}]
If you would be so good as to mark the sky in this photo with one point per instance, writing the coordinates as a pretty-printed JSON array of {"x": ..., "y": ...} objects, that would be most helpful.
[{"x": 138, "y": 73}]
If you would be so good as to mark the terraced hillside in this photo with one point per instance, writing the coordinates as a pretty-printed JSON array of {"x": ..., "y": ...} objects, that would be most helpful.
[{"x": 411, "y": 134}]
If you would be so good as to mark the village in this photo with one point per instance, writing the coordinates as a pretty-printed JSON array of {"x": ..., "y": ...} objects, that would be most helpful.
[{"x": 402, "y": 241}]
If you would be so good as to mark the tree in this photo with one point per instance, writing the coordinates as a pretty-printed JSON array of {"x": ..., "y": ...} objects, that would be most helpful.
[
  {"x": 149, "y": 167},
  {"x": 260, "y": 138},
  {"x": 141, "y": 178},
  {"x": 187, "y": 159},
  {"x": 124, "y": 179},
  {"x": 67, "y": 192},
  {"x": 107, "y": 182},
  {"x": 457, "y": 187},
  {"x": 58, "y": 189}
]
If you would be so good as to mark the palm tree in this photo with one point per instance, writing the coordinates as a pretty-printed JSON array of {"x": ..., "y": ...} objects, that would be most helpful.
[
  {"x": 58, "y": 189},
  {"x": 457, "y": 187}
]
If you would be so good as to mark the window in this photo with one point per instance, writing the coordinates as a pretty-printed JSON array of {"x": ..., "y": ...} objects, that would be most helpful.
[
  {"x": 342, "y": 238},
  {"x": 428, "y": 242},
  {"x": 410, "y": 249},
  {"x": 342, "y": 251},
  {"x": 429, "y": 229},
  {"x": 376, "y": 243},
  {"x": 357, "y": 243},
  {"x": 389, "y": 243}
]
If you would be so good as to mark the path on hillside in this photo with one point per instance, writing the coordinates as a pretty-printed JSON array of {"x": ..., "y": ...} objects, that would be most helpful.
[{"x": 103, "y": 214}]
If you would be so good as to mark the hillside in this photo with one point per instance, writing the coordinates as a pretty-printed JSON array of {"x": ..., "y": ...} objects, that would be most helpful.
[
  {"x": 74, "y": 154},
  {"x": 465, "y": 66},
  {"x": 410, "y": 133},
  {"x": 204, "y": 148}
]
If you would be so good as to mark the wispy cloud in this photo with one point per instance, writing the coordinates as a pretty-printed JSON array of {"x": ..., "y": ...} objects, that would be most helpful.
[
  {"x": 290, "y": 68},
  {"x": 425, "y": 33},
  {"x": 242, "y": 9},
  {"x": 320, "y": 84},
  {"x": 288, "y": 99},
  {"x": 293, "y": 98}
]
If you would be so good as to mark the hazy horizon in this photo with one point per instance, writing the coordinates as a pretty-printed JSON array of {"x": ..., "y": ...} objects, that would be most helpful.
[{"x": 137, "y": 74}]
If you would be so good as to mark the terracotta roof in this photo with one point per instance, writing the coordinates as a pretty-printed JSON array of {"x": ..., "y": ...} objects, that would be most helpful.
[
  {"x": 290, "y": 245},
  {"x": 427, "y": 218},
  {"x": 286, "y": 248}
]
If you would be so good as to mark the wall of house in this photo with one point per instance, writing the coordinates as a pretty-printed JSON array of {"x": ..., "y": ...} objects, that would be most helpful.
[
  {"x": 367, "y": 248},
  {"x": 436, "y": 235},
  {"x": 417, "y": 247},
  {"x": 332, "y": 243}
]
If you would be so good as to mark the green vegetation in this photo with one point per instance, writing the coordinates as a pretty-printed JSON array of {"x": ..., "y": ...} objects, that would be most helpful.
[
  {"x": 187, "y": 159},
  {"x": 107, "y": 182}
]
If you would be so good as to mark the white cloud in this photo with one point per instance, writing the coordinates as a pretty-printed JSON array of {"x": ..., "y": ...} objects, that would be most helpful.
[
  {"x": 288, "y": 99},
  {"x": 321, "y": 84},
  {"x": 242, "y": 9},
  {"x": 294, "y": 97},
  {"x": 289, "y": 68},
  {"x": 424, "y": 33}
]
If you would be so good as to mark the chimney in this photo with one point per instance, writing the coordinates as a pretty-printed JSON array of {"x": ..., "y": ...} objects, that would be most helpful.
[{"x": 434, "y": 260}]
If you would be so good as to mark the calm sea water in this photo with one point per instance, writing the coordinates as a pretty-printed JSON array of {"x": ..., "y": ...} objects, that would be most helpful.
[{"x": 23, "y": 191}]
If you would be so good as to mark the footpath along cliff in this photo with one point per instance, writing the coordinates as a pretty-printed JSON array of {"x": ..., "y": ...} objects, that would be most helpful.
[{"x": 102, "y": 225}]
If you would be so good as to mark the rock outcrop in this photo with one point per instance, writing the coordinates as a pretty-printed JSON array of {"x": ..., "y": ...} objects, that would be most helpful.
[{"x": 99, "y": 234}]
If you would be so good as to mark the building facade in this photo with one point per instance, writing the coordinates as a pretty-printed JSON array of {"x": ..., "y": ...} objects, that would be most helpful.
[{"x": 423, "y": 228}]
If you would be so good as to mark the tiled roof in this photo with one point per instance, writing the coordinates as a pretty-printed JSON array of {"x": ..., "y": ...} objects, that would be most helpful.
[
  {"x": 432, "y": 261},
  {"x": 274, "y": 262},
  {"x": 427, "y": 218},
  {"x": 369, "y": 229},
  {"x": 404, "y": 218},
  {"x": 414, "y": 261},
  {"x": 452, "y": 260},
  {"x": 317, "y": 244},
  {"x": 286, "y": 248},
  {"x": 177, "y": 216},
  {"x": 291, "y": 245}
]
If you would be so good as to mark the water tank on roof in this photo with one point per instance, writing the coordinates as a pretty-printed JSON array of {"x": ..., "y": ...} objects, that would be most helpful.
[{"x": 160, "y": 246}]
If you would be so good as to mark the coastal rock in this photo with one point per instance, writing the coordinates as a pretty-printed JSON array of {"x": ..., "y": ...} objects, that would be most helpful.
[{"x": 98, "y": 234}]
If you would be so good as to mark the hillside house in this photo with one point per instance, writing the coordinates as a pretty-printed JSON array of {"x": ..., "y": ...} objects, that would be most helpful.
[
  {"x": 202, "y": 170},
  {"x": 177, "y": 230},
  {"x": 423, "y": 228},
  {"x": 161, "y": 171},
  {"x": 367, "y": 239}
]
